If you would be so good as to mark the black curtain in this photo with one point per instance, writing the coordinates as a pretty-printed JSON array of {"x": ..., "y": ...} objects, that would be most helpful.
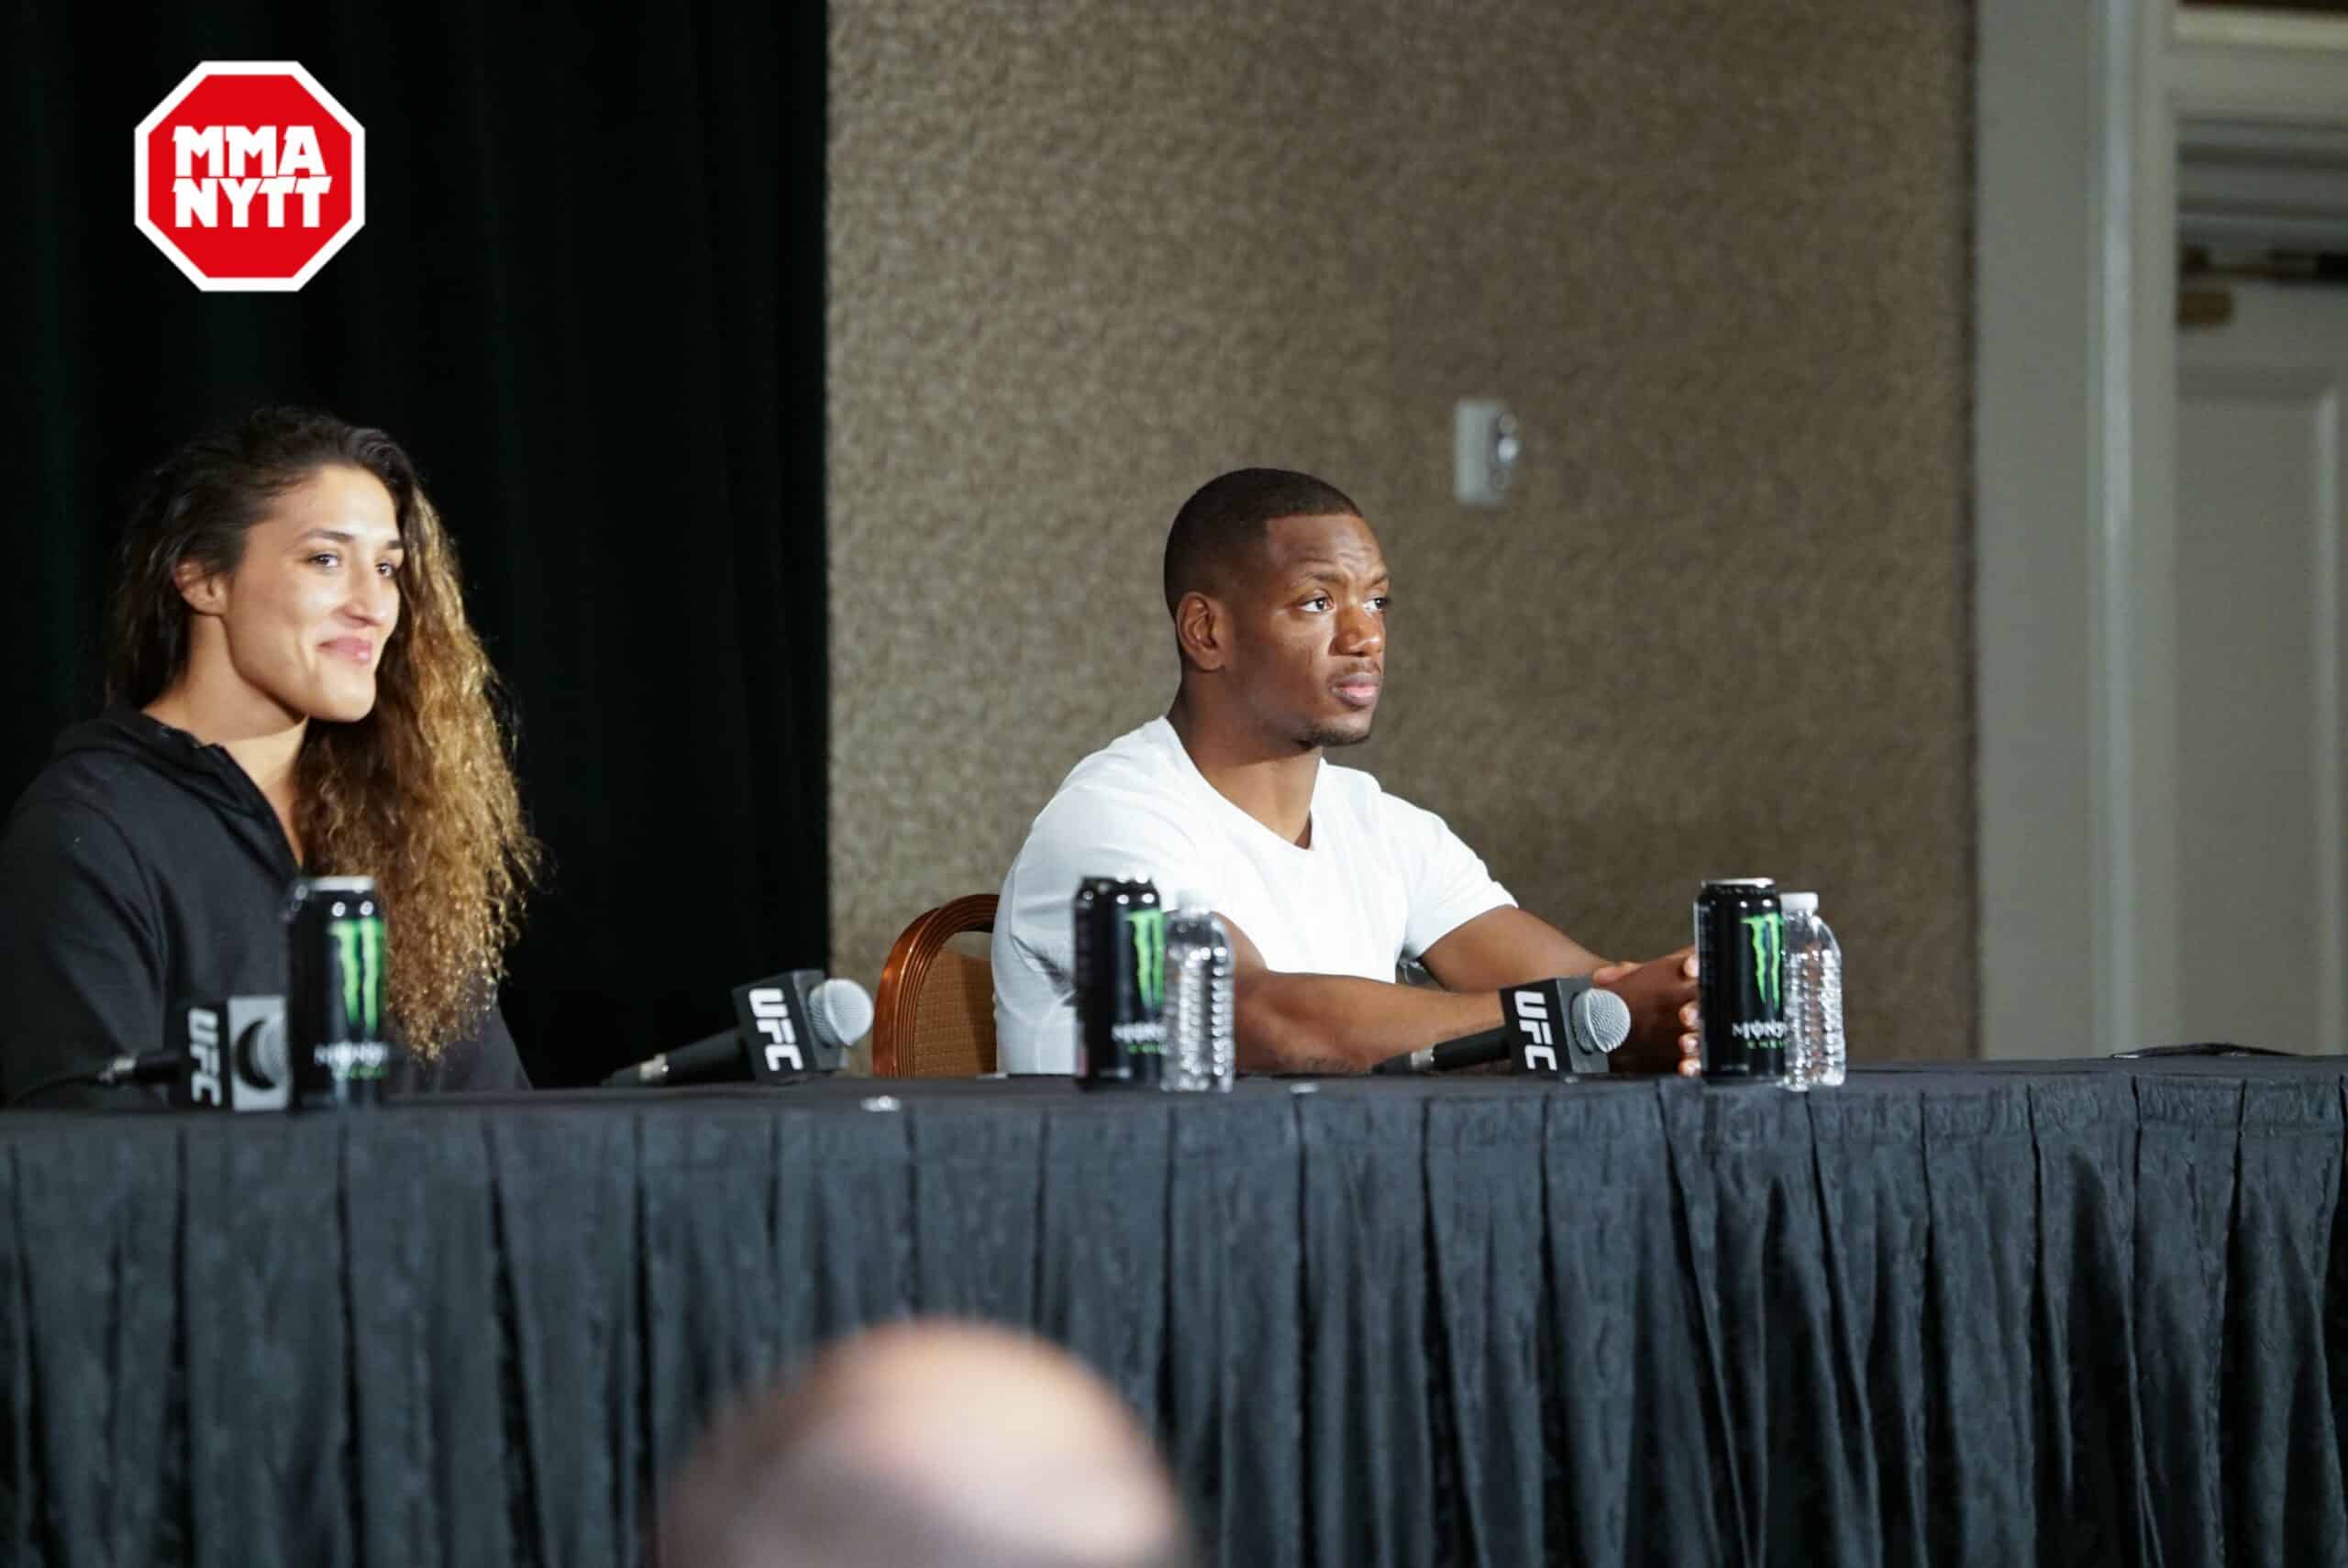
[{"x": 589, "y": 300}]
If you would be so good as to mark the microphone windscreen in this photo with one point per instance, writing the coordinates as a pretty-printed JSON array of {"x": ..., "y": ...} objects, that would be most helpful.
[
  {"x": 1603, "y": 1018},
  {"x": 262, "y": 1057},
  {"x": 839, "y": 1012}
]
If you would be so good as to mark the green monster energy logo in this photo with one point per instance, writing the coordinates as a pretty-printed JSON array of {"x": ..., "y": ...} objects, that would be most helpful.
[
  {"x": 1769, "y": 934},
  {"x": 361, "y": 942},
  {"x": 1148, "y": 927}
]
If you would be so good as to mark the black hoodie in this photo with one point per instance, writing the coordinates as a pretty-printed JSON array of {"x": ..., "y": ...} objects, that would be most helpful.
[{"x": 140, "y": 869}]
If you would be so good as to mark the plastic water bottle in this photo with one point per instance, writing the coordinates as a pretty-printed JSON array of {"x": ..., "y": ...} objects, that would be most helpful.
[
  {"x": 1815, "y": 1051},
  {"x": 1200, "y": 1015}
]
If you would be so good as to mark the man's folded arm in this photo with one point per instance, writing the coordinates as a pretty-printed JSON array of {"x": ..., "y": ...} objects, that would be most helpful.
[
  {"x": 1339, "y": 1024},
  {"x": 1336, "y": 1023},
  {"x": 1505, "y": 947}
]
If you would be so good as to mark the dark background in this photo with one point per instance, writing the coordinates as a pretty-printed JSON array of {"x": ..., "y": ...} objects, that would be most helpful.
[{"x": 589, "y": 300}]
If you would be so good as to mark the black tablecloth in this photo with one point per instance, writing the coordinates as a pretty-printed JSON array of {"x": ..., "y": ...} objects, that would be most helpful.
[{"x": 2079, "y": 1316}]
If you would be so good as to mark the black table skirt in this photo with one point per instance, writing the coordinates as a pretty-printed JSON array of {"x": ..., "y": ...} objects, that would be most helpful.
[{"x": 2074, "y": 1316}]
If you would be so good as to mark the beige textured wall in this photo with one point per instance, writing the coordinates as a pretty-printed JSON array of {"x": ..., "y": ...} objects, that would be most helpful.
[{"x": 1085, "y": 256}]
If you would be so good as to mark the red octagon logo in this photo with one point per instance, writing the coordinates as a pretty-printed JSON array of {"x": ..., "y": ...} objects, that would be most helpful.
[{"x": 250, "y": 176}]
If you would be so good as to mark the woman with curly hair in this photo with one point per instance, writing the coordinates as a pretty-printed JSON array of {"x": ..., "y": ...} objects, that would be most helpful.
[{"x": 294, "y": 690}]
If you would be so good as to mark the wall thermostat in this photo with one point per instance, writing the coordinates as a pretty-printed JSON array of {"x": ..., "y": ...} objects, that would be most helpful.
[{"x": 1484, "y": 447}]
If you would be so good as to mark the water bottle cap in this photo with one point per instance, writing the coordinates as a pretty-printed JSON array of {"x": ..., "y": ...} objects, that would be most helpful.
[{"x": 1798, "y": 903}]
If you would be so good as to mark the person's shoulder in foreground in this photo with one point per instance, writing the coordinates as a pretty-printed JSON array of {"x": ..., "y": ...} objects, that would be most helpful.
[
  {"x": 295, "y": 686},
  {"x": 1278, "y": 593}
]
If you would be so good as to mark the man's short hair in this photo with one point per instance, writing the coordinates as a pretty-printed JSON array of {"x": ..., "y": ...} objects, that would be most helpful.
[{"x": 1224, "y": 520}]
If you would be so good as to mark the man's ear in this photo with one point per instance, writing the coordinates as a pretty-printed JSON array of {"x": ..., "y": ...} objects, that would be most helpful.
[
  {"x": 1203, "y": 630},
  {"x": 206, "y": 593}
]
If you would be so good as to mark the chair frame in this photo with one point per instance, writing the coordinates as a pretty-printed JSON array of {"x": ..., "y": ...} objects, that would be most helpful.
[{"x": 898, "y": 1005}]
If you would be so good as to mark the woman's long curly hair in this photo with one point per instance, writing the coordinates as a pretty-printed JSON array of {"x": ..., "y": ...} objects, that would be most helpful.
[{"x": 419, "y": 794}]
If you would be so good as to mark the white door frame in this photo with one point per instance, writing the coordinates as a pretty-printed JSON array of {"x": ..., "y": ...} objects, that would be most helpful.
[{"x": 2077, "y": 114}]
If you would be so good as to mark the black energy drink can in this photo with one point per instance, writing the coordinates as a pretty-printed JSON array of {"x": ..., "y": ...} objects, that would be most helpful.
[
  {"x": 1120, "y": 982},
  {"x": 337, "y": 964},
  {"x": 1741, "y": 987}
]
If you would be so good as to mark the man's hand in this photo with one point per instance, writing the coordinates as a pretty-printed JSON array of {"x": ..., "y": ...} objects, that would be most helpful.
[{"x": 1664, "y": 1017}]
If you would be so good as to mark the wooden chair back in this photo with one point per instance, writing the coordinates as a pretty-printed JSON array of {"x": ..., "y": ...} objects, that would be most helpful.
[{"x": 935, "y": 1015}]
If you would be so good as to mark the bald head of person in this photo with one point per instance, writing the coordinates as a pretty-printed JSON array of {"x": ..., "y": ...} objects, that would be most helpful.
[{"x": 929, "y": 1444}]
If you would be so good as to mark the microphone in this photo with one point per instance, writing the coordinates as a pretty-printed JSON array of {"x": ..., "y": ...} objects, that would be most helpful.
[
  {"x": 1476, "y": 1050},
  {"x": 155, "y": 1067},
  {"x": 784, "y": 1025},
  {"x": 234, "y": 1055},
  {"x": 1587, "y": 1021}
]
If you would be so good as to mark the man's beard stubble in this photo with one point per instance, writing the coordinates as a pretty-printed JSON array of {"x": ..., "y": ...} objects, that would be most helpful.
[{"x": 1324, "y": 737}]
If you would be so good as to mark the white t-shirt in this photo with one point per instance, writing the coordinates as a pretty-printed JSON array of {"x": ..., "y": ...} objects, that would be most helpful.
[{"x": 1383, "y": 880}]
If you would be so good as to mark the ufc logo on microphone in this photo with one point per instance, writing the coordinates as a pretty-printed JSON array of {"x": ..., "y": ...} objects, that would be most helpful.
[
  {"x": 773, "y": 1016},
  {"x": 204, "y": 1047},
  {"x": 1532, "y": 1010}
]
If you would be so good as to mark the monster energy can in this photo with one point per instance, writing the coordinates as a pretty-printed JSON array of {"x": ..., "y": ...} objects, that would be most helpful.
[
  {"x": 336, "y": 969},
  {"x": 1740, "y": 957},
  {"x": 1120, "y": 982}
]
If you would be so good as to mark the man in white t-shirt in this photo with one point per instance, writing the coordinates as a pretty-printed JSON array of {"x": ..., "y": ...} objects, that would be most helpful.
[{"x": 1278, "y": 593}]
